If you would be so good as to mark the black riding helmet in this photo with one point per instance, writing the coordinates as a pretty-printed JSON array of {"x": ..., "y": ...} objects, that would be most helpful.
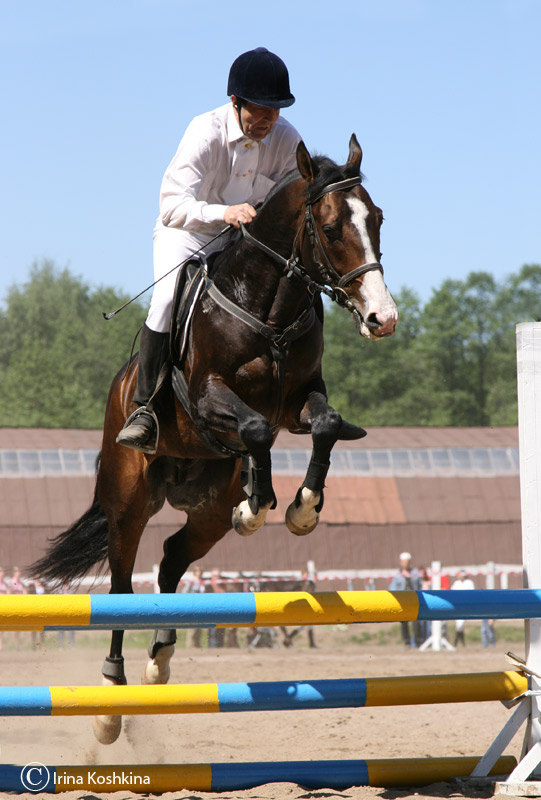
[{"x": 261, "y": 77}]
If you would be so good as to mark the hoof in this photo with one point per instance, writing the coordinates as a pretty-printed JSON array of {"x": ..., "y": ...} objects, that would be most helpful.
[
  {"x": 157, "y": 669},
  {"x": 301, "y": 519},
  {"x": 244, "y": 522},
  {"x": 107, "y": 729},
  {"x": 348, "y": 431}
]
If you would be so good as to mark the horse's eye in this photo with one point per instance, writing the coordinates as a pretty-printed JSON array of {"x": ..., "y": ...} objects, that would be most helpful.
[{"x": 331, "y": 233}]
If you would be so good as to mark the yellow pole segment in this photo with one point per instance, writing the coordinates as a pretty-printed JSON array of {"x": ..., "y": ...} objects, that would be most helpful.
[
  {"x": 465, "y": 688},
  {"x": 34, "y": 612},
  {"x": 423, "y": 771},
  {"x": 135, "y": 778},
  {"x": 172, "y": 699},
  {"x": 334, "y": 608}
]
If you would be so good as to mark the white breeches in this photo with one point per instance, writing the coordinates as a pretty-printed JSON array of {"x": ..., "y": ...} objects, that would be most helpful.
[{"x": 172, "y": 246}]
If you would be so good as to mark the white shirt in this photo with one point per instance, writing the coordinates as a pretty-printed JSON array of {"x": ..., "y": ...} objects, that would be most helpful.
[
  {"x": 216, "y": 166},
  {"x": 466, "y": 583}
]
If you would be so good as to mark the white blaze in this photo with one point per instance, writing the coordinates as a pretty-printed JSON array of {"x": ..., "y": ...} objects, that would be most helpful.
[
  {"x": 359, "y": 215},
  {"x": 372, "y": 298}
]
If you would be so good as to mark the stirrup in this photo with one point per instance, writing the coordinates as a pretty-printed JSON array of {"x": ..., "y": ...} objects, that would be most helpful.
[{"x": 149, "y": 447}]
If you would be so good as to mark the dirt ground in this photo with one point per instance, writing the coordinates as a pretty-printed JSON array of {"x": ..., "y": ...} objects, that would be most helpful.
[{"x": 443, "y": 730}]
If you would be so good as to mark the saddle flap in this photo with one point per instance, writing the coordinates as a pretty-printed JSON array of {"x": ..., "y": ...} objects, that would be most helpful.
[{"x": 190, "y": 282}]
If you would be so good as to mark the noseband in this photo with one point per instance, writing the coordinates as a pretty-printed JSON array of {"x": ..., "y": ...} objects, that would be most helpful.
[{"x": 332, "y": 283}]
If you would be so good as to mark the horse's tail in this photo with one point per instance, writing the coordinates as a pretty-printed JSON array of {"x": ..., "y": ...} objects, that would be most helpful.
[{"x": 73, "y": 553}]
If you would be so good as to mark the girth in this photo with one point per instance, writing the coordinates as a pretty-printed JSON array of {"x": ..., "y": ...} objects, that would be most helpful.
[{"x": 279, "y": 343}]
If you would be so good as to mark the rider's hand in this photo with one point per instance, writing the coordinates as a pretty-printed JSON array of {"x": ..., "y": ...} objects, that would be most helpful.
[{"x": 244, "y": 213}]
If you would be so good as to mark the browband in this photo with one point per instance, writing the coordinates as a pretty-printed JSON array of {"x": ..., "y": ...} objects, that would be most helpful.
[{"x": 347, "y": 183}]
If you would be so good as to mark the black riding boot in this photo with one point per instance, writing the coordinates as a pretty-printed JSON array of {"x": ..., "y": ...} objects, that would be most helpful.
[{"x": 141, "y": 431}]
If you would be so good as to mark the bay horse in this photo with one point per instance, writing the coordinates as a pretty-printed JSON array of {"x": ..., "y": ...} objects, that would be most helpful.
[{"x": 252, "y": 367}]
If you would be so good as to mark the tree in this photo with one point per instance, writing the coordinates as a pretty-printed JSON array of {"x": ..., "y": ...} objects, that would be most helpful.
[
  {"x": 374, "y": 382},
  {"x": 58, "y": 354},
  {"x": 451, "y": 362}
]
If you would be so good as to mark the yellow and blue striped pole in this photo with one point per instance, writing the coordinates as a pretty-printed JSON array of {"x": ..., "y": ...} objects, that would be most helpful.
[
  {"x": 260, "y": 696},
  {"x": 221, "y": 777},
  {"x": 43, "y": 612}
]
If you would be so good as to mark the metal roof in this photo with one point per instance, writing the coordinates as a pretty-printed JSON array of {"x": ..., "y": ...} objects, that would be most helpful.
[
  {"x": 463, "y": 511},
  {"x": 63, "y": 438}
]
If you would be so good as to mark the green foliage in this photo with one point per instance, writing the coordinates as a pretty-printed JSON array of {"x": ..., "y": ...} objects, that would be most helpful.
[
  {"x": 58, "y": 354},
  {"x": 451, "y": 362}
]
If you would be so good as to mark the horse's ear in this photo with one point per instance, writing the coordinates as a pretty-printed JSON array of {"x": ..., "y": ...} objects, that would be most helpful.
[
  {"x": 304, "y": 162},
  {"x": 355, "y": 154}
]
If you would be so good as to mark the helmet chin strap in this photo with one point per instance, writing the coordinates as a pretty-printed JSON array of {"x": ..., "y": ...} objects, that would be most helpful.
[{"x": 238, "y": 109}]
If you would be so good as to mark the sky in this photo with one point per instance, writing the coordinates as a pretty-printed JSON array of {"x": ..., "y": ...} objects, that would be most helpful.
[{"x": 444, "y": 96}]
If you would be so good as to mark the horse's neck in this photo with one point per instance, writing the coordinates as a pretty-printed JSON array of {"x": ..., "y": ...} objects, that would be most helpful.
[{"x": 255, "y": 282}]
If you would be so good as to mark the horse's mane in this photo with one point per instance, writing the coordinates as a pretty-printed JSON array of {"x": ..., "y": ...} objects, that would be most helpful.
[{"x": 327, "y": 171}]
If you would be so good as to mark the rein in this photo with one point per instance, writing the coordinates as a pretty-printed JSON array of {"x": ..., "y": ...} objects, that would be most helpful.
[{"x": 332, "y": 284}]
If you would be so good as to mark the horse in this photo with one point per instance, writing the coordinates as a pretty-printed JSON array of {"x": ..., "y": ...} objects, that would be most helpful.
[{"x": 252, "y": 366}]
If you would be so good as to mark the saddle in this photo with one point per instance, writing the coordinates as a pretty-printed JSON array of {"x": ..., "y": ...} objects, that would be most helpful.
[{"x": 189, "y": 284}]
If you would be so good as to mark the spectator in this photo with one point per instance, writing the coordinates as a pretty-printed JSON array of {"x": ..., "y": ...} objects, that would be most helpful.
[
  {"x": 405, "y": 580},
  {"x": 231, "y": 637},
  {"x": 488, "y": 637},
  {"x": 61, "y": 635},
  {"x": 4, "y": 589},
  {"x": 36, "y": 587},
  {"x": 425, "y": 626},
  {"x": 195, "y": 586},
  {"x": 216, "y": 635},
  {"x": 462, "y": 583},
  {"x": 16, "y": 584}
]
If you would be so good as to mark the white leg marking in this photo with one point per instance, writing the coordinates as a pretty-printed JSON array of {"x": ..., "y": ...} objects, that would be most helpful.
[
  {"x": 157, "y": 669},
  {"x": 246, "y": 523},
  {"x": 303, "y": 519},
  {"x": 107, "y": 727}
]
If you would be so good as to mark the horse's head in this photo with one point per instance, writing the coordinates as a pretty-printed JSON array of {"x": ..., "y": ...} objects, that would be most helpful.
[{"x": 343, "y": 241}]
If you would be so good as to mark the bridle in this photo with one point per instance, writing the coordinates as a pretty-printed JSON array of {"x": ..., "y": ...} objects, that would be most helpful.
[{"x": 332, "y": 283}]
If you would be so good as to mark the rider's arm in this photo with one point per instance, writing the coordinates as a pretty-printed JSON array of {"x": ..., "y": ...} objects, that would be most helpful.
[{"x": 187, "y": 179}]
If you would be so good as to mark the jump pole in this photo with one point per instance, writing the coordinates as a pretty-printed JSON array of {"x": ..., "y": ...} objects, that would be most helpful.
[
  {"x": 16, "y": 701},
  {"x": 231, "y": 776},
  {"x": 262, "y": 609}
]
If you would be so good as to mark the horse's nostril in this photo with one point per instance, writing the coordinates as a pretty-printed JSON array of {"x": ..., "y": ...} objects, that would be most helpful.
[{"x": 372, "y": 321}]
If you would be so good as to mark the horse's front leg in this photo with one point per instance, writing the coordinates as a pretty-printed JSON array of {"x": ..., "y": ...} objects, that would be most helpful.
[
  {"x": 222, "y": 410},
  {"x": 327, "y": 427}
]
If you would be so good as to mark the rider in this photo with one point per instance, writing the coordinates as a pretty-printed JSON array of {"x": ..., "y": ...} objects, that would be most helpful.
[{"x": 226, "y": 163}]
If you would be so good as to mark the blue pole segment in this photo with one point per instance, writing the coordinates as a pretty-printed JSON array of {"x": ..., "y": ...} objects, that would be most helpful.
[
  {"x": 480, "y": 604},
  {"x": 290, "y": 695},
  {"x": 172, "y": 610},
  {"x": 25, "y": 701},
  {"x": 309, "y": 774},
  {"x": 35, "y": 778}
]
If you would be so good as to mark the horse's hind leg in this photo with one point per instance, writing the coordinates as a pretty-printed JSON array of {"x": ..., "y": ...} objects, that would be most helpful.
[
  {"x": 207, "y": 523},
  {"x": 187, "y": 545},
  {"x": 124, "y": 539},
  {"x": 327, "y": 427},
  {"x": 162, "y": 646}
]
